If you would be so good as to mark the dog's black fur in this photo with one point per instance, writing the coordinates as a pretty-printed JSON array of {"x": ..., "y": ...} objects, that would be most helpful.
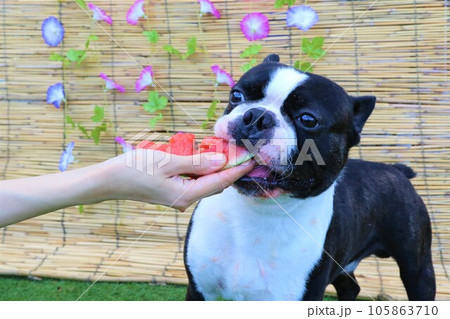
[{"x": 376, "y": 209}]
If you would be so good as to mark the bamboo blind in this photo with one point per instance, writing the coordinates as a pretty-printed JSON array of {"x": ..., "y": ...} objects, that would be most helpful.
[{"x": 396, "y": 50}]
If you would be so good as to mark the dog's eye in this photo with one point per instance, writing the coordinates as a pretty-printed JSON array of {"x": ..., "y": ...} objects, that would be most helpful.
[
  {"x": 308, "y": 120},
  {"x": 236, "y": 97}
]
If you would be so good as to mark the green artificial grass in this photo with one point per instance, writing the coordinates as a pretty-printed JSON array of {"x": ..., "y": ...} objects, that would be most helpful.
[{"x": 22, "y": 288}]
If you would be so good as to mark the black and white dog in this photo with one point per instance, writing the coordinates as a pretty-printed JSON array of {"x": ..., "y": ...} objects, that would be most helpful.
[{"x": 286, "y": 231}]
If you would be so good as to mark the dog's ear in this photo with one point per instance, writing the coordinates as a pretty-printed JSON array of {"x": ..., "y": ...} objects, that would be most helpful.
[
  {"x": 362, "y": 108},
  {"x": 272, "y": 58}
]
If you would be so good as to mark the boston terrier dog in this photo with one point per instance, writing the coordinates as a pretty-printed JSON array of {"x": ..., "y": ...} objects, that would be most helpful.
[{"x": 301, "y": 220}]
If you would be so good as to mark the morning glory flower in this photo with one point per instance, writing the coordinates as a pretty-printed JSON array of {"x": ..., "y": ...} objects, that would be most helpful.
[
  {"x": 255, "y": 26},
  {"x": 99, "y": 14},
  {"x": 135, "y": 12},
  {"x": 110, "y": 84},
  {"x": 145, "y": 79},
  {"x": 52, "y": 31},
  {"x": 302, "y": 17},
  {"x": 66, "y": 157},
  {"x": 207, "y": 6},
  {"x": 222, "y": 76},
  {"x": 125, "y": 146},
  {"x": 55, "y": 94}
]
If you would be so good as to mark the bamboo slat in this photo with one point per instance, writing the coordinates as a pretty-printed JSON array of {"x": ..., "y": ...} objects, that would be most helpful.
[{"x": 397, "y": 51}]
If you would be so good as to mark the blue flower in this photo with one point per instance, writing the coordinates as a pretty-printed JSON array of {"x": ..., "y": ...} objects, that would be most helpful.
[
  {"x": 52, "y": 31},
  {"x": 302, "y": 17},
  {"x": 66, "y": 157},
  {"x": 55, "y": 95}
]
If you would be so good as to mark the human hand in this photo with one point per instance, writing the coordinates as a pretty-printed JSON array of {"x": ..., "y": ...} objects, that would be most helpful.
[{"x": 156, "y": 177}]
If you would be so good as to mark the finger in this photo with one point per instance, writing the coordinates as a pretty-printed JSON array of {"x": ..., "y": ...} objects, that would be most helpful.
[
  {"x": 216, "y": 182},
  {"x": 198, "y": 164}
]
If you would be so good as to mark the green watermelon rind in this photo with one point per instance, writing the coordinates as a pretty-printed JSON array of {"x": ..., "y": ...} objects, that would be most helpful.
[{"x": 239, "y": 160}]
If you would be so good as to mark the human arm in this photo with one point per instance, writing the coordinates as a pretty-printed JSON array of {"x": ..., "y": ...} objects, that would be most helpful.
[{"x": 115, "y": 179}]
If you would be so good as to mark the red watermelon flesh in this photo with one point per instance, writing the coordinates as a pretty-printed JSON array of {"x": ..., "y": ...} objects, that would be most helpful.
[
  {"x": 146, "y": 144},
  {"x": 184, "y": 144},
  {"x": 149, "y": 145}
]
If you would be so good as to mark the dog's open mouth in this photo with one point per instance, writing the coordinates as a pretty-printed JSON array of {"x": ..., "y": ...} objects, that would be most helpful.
[{"x": 262, "y": 175}]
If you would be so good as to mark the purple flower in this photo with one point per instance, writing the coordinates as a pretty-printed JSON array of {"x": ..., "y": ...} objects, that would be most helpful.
[
  {"x": 222, "y": 76},
  {"x": 125, "y": 146},
  {"x": 110, "y": 84},
  {"x": 302, "y": 17},
  {"x": 66, "y": 157},
  {"x": 55, "y": 94},
  {"x": 52, "y": 31},
  {"x": 207, "y": 6},
  {"x": 145, "y": 79},
  {"x": 135, "y": 12},
  {"x": 255, "y": 26},
  {"x": 99, "y": 14}
]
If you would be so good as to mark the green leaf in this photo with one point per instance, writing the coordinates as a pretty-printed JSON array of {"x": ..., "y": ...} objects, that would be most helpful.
[
  {"x": 152, "y": 36},
  {"x": 95, "y": 134},
  {"x": 154, "y": 120},
  {"x": 81, "y": 209},
  {"x": 75, "y": 55},
  {"x": 171, "y": 50},
  {"x": 83, "y": 130},
  {"x": 252, "y": 50},
  {"x": 205, "y": 124},
  {"x": 56, "y": 57},
  {"x": 70, "y": 121},
  {"x": 90, "y": 38},
  {"x": 279, "y": 4},
  {"x": 99, "y": 114},
  {"x": 306, "y": 67},
  {"x": 211, "y": 113},
  {"x": 155, "y": 102},
  {"x": 81, "y": 3},
  {"x": 303, "y": 66},
  {"x": 247, "y": 66},
  {"x": 313, "y": 47},
  {"x": 191, "y": 47},
  {"x": 82, "y": 57}
]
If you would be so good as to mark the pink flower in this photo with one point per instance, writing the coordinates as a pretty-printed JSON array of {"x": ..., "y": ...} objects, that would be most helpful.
[
  {"x": 145, "y": 79},
  {"x": 135, "y": 12},
  {"x": 125, "y": 146},
  {"x": 255, "y": 26},
  {"x": 207, "y": 6},
  {"x": 99, "y": 14},
  {"x": 302, "y": 17},
  {"x": 222, "y": 76},
  {"x": 110, "y": 84}
]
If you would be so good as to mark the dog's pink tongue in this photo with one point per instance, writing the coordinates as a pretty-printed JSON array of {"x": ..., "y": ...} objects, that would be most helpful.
[{"x": 260, "y": 171}]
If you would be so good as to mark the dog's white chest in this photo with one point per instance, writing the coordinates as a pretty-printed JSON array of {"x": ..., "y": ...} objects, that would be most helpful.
[{"x": 242, "y": 248}]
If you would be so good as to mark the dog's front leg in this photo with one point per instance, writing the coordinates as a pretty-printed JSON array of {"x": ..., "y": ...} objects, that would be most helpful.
[
  {"x": 192, "y": 293},
  {"x": 315, "y": 289}
]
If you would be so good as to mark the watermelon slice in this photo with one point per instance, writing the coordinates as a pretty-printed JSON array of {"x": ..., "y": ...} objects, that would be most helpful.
[
  {"x": 146, "y": 144},
  {"x": 236, "y": 155},
  {"x": 149, "y": 145},
  {"x": 184, "y": 144}
]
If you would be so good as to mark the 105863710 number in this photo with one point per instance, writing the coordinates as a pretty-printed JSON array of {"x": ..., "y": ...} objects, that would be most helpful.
[{"x": 403, "y": 310}]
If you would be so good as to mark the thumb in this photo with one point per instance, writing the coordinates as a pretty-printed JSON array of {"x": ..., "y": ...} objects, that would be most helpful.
[{"x": 198, "y": 164}]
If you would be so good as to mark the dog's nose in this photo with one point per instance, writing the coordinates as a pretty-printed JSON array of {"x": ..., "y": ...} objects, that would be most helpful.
[{"x": 258, "y": 118}]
